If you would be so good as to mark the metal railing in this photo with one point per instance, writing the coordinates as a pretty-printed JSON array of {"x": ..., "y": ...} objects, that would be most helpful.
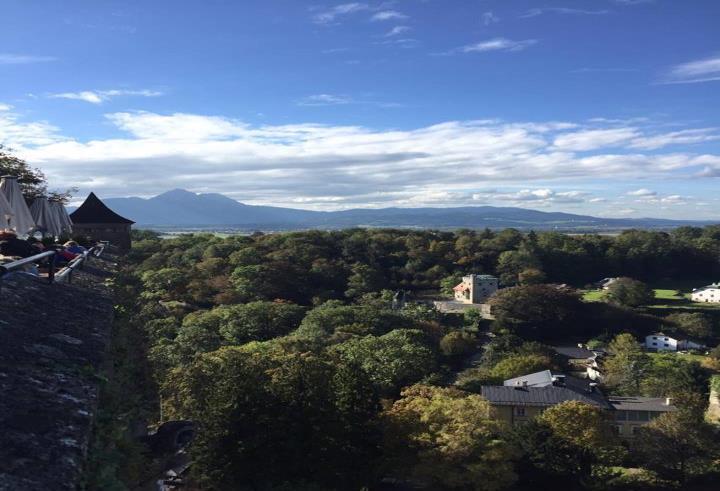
[{"x": 50, "y": 258}]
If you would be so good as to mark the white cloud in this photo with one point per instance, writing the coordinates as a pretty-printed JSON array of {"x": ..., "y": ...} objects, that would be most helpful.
[
  {"x": 642, "y": 192},
  {"x": 489, "y": 18},
  {"x": 341, "y": 166},
  {"x": 15, "y": 59},
  {"x": 324, "y": 100},
  {"x": 100, "y": 96},
  {"x": 683, "y": 137},
  {"x": 496, "y": 44},
  {"x": 338, "y": 100},
  {"x": 388, "y": 15},
  {"x": 593, "y": 139},
  {"x": 5, "y": 107},
  {"x": 533, "y": 197},
  {"x": 397, "y": 30},
  {"x": 405, "y": 43},
  {"x": 561, "y": 10},
  {"x": 331, "y": 15},
  {"x": 705, "y": 70},
  {"x": 17, "y": 134}
]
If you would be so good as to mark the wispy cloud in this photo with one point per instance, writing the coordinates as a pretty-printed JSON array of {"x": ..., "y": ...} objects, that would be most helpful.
[
  {"x": 496, "y": 44},
  {"x": 331, "y": 15},
  {"x": 489, "y": 18},
  {"x": 604, "y": 70},
  {"x": 324, "y": 100},
  {"x": 536, "y": 196},
  {"x": 642, "y": 192},
  {"x": 100, "y": 96},
  {"x": 384, "y": 15},
  {"x": 405, "y": 43},
  {"x": 683, "y": 137},
  {"x": 397, "y": 30},
  {"x": 581, "y": 141},
  {"x": 340, "y": 100},
  {"x": 561, "y": 10},
  {"x": 705, "y": 70},
  {"x": 15, "y": 59}
]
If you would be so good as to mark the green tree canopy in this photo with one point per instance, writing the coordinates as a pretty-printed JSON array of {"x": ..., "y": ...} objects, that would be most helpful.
[
  {"x": 676, "y": 445},
  {"x": 392, "y": 361},
  {"x": 446, "y": 438},
  {"x": 628, "y": 292},
  {"x": 538, "y": 311},
  {"x": 626, "y": 366}
]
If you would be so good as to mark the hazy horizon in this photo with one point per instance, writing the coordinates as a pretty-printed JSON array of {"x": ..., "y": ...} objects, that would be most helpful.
[{"x": 604, "y": 108}]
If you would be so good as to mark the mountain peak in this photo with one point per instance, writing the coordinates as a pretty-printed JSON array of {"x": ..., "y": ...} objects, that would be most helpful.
[{"x": 176, "y": 193}]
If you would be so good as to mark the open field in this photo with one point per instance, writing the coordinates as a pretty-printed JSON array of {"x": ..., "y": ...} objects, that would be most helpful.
[{"x": 668, "y": 295}]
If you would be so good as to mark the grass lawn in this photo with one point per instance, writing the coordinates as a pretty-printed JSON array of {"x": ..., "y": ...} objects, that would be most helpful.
[
  {"x": 662, "y": 294},
  {"x": 676, "y": 295},
  {"x": 593, "y": 295},
  {"x": 667, "y": 296},
  {"x": 684, "y": 356}
]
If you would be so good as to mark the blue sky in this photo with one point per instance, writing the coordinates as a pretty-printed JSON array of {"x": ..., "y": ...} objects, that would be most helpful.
[{"x": 606, "y": 107}]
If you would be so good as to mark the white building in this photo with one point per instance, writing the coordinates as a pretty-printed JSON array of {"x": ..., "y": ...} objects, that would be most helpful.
[
  {"x": 476, "y": 288},
  {"x": 710, "y": 293},
  {"x": 606, "y": 282},
  {"x": 662, "y": 342}
]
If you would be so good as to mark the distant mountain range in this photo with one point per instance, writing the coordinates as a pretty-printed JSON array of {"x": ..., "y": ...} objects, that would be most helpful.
[{"x": 182, "y": 209}]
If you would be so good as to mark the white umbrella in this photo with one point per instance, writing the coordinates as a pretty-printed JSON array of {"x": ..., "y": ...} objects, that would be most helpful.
[
  {"x": 6, "y": 212},
  {"x": 46, "y": 220},
  {"x": 62, "y": 217},
  {"x": 22, "y": 221}
]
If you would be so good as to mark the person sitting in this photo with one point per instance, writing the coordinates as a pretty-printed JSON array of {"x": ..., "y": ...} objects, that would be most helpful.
[
  {"x": 12, "y": 246},
  {"x": 37, "y": 245},
  {"x": 74, "y": 247}
]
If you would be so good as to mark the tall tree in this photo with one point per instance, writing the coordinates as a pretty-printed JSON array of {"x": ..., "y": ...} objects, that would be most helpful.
[
  {"x": 629, "y": 293},
  {"x": 677, "y": 445},
  {"x": 627, "y": 365},
  {"x": 446, "y": 438}
]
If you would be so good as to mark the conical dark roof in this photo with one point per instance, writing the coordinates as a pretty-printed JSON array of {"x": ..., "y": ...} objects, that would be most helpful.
[{"x": 94, "y": 211}]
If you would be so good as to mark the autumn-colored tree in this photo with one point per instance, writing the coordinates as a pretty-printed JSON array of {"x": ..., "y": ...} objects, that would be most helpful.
[
  {"x": 458, "y": 344},
  {"x": 446, "y": 438},
  {"x": 677, "y": 445},
  {"x": 693, "y": 324},
  {"x": 585, "y": 434}
]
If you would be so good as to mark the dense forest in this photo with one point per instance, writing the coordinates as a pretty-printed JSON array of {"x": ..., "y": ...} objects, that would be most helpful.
[{"x": 288, "y": 354}]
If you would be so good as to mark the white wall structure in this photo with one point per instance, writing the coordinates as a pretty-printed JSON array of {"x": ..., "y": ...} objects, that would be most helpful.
[
  {"x": 661, "y": 342},
  {"x": 476, "y": 288},
  {"x": 707, "y": 294}
]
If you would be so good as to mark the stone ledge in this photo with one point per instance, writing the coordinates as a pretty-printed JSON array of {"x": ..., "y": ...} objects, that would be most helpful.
[{"x": 53, "y": 340}]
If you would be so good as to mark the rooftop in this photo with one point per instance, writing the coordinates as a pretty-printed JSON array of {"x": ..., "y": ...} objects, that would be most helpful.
[
  {"x": 540, "y": 396},
  {"x": 710, "y": 286},
  {"x": 93, "y": 210},
  {"x": 573, "y": 352},
  {"x": 632, "y": 403}
]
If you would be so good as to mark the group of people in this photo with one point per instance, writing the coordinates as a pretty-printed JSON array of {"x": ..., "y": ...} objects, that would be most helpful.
[{"x": 13, "y": 248}]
